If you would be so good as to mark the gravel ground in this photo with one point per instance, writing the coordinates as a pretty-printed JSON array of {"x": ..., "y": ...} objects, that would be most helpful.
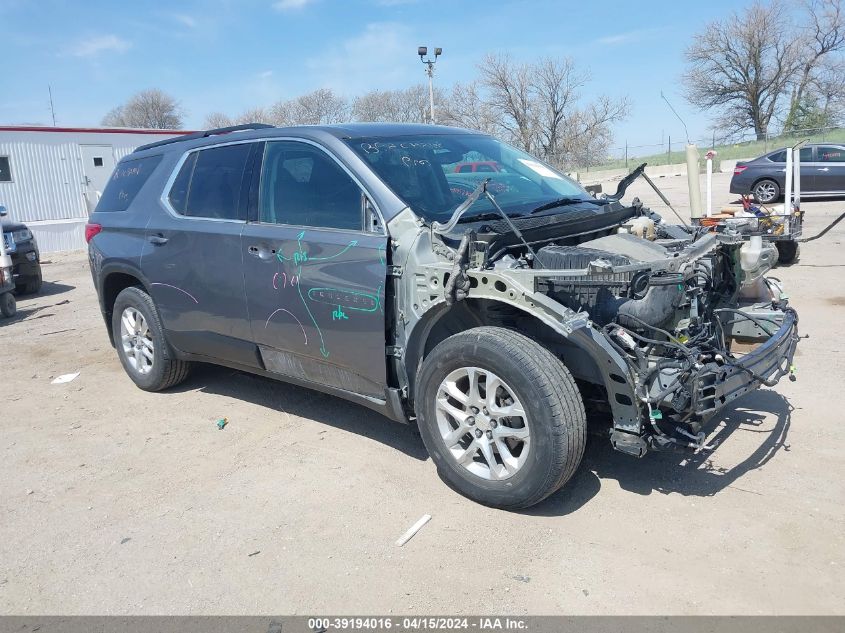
[{"x": 117, "y": 501}]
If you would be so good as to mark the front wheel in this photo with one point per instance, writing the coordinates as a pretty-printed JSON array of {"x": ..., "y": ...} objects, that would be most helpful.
[
  {"x": 141, "y": 346},
  {"x": 8, "y": 305},
  {"x": 501, "y": 417}
]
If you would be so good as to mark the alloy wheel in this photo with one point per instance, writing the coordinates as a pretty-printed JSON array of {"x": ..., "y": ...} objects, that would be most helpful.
[{"x": 483, "y": 423}]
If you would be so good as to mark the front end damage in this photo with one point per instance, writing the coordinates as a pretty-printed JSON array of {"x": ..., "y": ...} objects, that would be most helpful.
[{"x": 667, "y": 325}]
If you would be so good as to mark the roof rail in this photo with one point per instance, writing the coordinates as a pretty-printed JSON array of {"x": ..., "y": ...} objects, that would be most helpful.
[{"x": 197, "y": 135}]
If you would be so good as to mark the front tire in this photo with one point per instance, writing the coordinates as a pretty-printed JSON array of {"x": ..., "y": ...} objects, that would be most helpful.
[
  {"x": 139, "y": 338},
  {"x": 31, "y": 285},
  {"x": 8, "y": 305},
  {"x": 501, "y": 417},
  {"x": 766, "y": 191}
]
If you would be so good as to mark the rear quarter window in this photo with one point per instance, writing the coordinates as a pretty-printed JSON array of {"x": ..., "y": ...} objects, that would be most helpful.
[{"x": 125, "y": 183}]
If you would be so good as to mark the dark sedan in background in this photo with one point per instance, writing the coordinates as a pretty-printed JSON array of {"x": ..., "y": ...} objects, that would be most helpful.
[{"x": 822, "y": 173}]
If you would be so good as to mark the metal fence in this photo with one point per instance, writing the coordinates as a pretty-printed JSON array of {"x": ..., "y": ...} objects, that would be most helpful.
[{"x": 671, "y": 147}]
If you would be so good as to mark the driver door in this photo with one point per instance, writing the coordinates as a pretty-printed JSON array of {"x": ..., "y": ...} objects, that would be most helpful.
[{"x": 314, "y": 277}]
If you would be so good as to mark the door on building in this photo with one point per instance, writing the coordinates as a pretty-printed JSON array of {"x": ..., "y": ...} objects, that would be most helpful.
[{"x": 97, "y": 167}]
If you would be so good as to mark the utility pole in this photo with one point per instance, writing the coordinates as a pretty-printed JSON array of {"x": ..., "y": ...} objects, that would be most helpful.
[
  {"x": 52, "y": 109},
  {"x": 422, "y": 51}
]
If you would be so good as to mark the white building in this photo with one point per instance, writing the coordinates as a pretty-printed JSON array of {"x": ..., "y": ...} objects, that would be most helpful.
[{"x": 52, "y": 177}]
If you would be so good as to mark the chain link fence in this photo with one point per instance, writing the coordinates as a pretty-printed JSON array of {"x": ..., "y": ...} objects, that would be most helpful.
[{"x": 671, "y": 148}]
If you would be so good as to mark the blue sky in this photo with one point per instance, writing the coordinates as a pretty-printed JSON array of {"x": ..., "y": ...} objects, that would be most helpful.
[{"x": 222, "y": 55}]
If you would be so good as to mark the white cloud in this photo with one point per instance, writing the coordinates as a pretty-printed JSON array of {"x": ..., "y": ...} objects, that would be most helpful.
[
  {"x": 382, "y": 56},
  {"x": 291, "y": 5},
  {"x": 185, "y": 20},
  {"x": 394, "y": 3},
  {"x": 266, "y": 74},
  {"x": 628, "y": 37},
  {"x": 100, "y": 44}
]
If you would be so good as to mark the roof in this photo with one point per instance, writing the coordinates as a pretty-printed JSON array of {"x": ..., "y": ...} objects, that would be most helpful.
[
  {"x": 90, "y": 130},
  {"x": 343, "y": 131}
]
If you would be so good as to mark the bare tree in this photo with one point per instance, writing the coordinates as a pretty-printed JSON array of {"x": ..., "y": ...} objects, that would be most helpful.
[
  {"x": 216, "y": 120},
  {"x": 510, "y": 92},
  {"x": 322, "y": 106},
  {"x": 539, "y": 108},
  {"x": 410, "y": 105},
  {"x": 151, "y": 109},
  {"x": 467, "y": 107},
  {"x": 742, "y": 67},
  {"x": 821, "y": 39}
]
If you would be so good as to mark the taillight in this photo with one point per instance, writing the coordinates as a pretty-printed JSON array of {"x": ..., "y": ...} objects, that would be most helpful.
[
  {"x": 91, "y": 230},
  {"x": 739, "y": 169}
]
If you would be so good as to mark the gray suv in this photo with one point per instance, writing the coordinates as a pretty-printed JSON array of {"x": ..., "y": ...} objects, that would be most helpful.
[{"x": 500, "y": 311}]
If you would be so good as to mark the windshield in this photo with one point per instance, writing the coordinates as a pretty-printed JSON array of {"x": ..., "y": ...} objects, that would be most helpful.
[{"x": 434, "y": 173}]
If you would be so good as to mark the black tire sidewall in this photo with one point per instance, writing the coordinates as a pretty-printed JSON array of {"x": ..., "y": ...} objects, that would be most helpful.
[
  {"x": 528, "y": 481},
  {"x": 141, "y": 301},
  {"x": 8, "y": 305}
]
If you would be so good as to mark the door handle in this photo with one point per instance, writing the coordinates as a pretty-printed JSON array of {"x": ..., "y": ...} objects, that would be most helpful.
[
  {"x": 823, "y": 169},
  {"x": 157, "y": 240}
]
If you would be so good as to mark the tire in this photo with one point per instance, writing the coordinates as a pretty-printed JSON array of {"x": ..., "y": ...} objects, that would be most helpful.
[
  {"x": 530, "y": 376},
  {"x": 788, "y": 252},
  {"x": 143, "y": 351},
  {"x": 31, "y": 285},
  {"x": 8, "y": 305},
  {"x": 766, "y": 191}
]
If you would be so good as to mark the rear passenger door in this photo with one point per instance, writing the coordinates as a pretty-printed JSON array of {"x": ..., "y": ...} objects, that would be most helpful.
[
  {"x": 194, "y": 262},
  {"x": 314, "y": 275},
  {"x": 829, "y": 169}
]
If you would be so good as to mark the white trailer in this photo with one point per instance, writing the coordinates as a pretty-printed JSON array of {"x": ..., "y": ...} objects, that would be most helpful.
[{"x": 51, "y": 177}]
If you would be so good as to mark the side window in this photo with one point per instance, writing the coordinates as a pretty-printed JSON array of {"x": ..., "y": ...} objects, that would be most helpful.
[
  {"x": 125, "y": 182},
  {"x": 831, "y": 155},
  {"x": 486, "y": 168},
  {"x": 209, "y": 183},
  {"x": 806, "y": 154},
  {"x": 179, "y": 191},
  {"x": 780, "y": 157},
  {"x": 303, "y": 186}
]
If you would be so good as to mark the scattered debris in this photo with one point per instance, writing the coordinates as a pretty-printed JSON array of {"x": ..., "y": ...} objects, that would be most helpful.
[
  {"x": 255, "y": 553},
  {"x": 222, "y": 422},
  {"x": 522, "y": 578},
  {"x": 416, "y": 527},
  {"x": 73, "y": 329},
  {"x": 64, "y": 378},
  {"x": 125, "y": 540},
  {"x": 29, "y": 491}
]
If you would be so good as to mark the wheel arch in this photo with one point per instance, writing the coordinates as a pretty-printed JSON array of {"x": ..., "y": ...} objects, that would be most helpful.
[
  {"x": 442, "y": 321},
  {"x": 114, "y": 278}
]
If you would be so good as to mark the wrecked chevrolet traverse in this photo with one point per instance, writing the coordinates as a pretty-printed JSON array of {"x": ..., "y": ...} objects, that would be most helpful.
[{"x": 502, "y": 309}]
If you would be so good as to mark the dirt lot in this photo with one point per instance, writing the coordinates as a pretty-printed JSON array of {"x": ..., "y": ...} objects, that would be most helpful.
[{"x": 116, "y": 501}]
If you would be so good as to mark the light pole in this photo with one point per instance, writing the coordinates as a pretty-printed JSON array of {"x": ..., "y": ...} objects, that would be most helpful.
[{"x": 422, "y": 51}]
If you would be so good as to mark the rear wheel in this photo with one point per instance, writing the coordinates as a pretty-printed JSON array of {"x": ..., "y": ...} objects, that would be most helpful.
[
  {"x": 139, "y": 337},
  {"x": 766, "y": 191},
  {"x": 501, "y": 417}
]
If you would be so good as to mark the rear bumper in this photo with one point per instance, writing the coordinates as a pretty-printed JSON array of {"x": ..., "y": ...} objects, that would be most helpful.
[{"x": 718, "y": 385}]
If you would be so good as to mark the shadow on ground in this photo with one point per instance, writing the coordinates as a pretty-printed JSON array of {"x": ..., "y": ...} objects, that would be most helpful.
[
  {"x": 681, "y": 473},
  {"x": 48, "y": 289},
  {"x": 298, "y": 401}
]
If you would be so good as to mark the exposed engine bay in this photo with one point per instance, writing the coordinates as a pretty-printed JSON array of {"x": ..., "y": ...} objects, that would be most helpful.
[{"x": 671, "y": 323}]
